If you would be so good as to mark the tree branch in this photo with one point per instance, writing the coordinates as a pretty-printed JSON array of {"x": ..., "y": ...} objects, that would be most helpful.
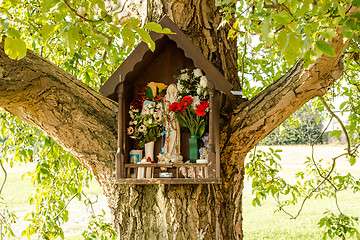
[
  {"x": 255, "y": 119},
  {"x": 341, "y": 124},
  {"x": 77, "y": 14},
  {"x": 80, "y": 119}
]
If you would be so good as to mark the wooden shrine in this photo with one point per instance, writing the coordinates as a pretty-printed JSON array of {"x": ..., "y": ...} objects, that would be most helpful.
[{"x": 173, "y": 52}]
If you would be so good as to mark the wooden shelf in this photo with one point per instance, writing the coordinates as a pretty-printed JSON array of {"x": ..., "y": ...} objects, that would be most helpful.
[
  {"x": 166, "y": 165},
  {"x": 169, "y": 181}
]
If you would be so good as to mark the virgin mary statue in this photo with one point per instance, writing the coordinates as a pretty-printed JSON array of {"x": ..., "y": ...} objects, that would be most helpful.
[{"x": 171, "y": 148}]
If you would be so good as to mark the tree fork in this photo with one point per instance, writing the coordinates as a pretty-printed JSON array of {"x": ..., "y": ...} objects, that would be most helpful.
[{"x": 84, "y": 123}]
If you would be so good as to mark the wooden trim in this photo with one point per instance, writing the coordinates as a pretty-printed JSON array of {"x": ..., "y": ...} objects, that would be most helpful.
[
  {"x": 120, "y": 154},
  {"x": 169, "y": 181},
  {"x": 216, "y": 132},
  {"x": 212, "y": 121},
  {"x": 166, "y": 165}
]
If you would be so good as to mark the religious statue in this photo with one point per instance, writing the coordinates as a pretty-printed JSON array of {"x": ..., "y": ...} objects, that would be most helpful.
[{"x": 171, "y": 149}]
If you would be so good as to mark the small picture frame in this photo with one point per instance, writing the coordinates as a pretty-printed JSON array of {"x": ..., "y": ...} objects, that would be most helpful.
[
  {"x": 135, "y": 156},
  {"x": 146, "y": 106}
]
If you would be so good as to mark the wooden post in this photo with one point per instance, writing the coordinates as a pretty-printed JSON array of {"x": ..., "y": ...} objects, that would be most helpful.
[
  {"x": 120, "y": 162},
  {"x": 212, "y": 119}
]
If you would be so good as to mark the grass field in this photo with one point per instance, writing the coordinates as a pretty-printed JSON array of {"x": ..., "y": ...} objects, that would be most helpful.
[
  {"x": 259, "y": 222},
  {"x": 263, "y": 223}
]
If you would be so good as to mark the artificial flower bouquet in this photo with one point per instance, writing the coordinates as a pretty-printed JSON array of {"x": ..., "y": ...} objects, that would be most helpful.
[
  {"x": 146, "y": 123},
  {"x": 191, "y": 114},
  {"x": 192, "y": 105}
]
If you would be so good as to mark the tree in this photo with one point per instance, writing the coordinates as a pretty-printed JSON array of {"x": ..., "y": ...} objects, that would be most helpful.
[
  {"x": 304, "y": 128},
  {"x": 311, "y": 36}
]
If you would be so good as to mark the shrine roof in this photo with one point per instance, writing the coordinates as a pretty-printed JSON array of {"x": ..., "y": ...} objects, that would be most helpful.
[{"x": 142, "y": 56}]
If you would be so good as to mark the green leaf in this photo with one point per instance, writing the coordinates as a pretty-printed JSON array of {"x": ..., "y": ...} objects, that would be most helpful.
[
  {"x": 181, "y": 120},
  {"x": 134, "y": 23},
  {"x": 201, "y": 129},
  {"x": 293, "y": 50},
  {"x": 44, "y": 171},
  {"x": 152, "y": 26},
  {"x": 349, "y": 28},
  {"x": 266, "y": 32},
  {"x": 145, "y": 36},
  {"x": 352, "y": 161},
  {"x": 11, "y": 32},
  {"x": 15, "y": 48},
  {"x": 149, "y": 93},
  {"x": 325, "y": 48},
  {"x": 46, "y": 30},
  {"x": 328, "y": 33},
  {"x": 341, "y": 10},
  {"x": 128, "y": 36},
  {"x": 282, "y": 39},
  {"x": 282, "y": 18},
  {"x": 342, "y": 105}
]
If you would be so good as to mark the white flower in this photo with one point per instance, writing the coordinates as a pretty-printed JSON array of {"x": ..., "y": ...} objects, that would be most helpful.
[
  {"x": 142, "y": 128},
  {"x": 150, "y": 121},
  {"x": 203, "y": 82},
  {"x": 135, "y": 122},
  {"x": 152, "y": 111},
  {"x": 205, "y": 93},
  {"x": 159, "y": 106},
  {"x": 197, "y": 72},
  {"x": 184, "y": 76},
  {"x": 198, "y": 91},
  {"x": 180, "y": 87},
  {"x": 195, "y": 102}
]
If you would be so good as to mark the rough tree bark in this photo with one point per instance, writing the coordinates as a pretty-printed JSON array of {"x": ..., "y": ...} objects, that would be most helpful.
[{"x": 84, "y": 123}]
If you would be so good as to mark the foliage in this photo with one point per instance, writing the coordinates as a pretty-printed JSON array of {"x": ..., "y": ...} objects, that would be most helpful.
[
  {"x": 146, "y": 125},
  {"x": 304, "y": 127},
  {"x": 90, "y": 38},
  {"x": 98, "y": 229},
  {"x": 273, "y": 35},
  {"x": 339, "y": 226},
  {"x": 319, "y": 180},
  {"x": 192, "y": 105},
  {"x": 191, "y": 115},
  {"x": 58, "y": 177}
]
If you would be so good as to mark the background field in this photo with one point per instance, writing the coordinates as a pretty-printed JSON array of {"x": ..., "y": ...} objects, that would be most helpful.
[{"x": 259, "y": 222}]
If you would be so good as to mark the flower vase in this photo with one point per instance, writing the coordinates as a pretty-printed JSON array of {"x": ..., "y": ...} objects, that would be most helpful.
[
  {"x": 149, "y": 156},
  {"x": 193, "y": 148}
]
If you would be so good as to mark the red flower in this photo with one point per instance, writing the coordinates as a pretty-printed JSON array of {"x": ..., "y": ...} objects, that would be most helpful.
[
  {"x": 187, "y": 99},
  {"x": 173, "y": 107},
  {"x": 185, "y": 104},
  {"x": 205, "y": 104},
  {"x": 180, "y": 105},
  {"x": 200, "y": 112}
]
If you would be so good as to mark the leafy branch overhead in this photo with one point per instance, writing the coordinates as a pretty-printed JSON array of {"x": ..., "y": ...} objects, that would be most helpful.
[
  {"x": 293, "y": 29},
  {"x": 290, "y": 51}
]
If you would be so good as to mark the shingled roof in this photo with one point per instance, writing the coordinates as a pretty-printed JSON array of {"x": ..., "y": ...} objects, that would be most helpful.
[{"x": 142, "y": 56}]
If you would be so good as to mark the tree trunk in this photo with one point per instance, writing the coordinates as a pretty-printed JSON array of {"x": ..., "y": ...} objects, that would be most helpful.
[
  {"x": 84, "y": 123},
  {"x": 189, "y": 211}
]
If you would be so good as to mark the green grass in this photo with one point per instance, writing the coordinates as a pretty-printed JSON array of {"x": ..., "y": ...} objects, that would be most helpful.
[
  {"x": 16, "y": 192},
  {"x": 259, "y": 222},
  {"x": 262, "y": 223}
]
